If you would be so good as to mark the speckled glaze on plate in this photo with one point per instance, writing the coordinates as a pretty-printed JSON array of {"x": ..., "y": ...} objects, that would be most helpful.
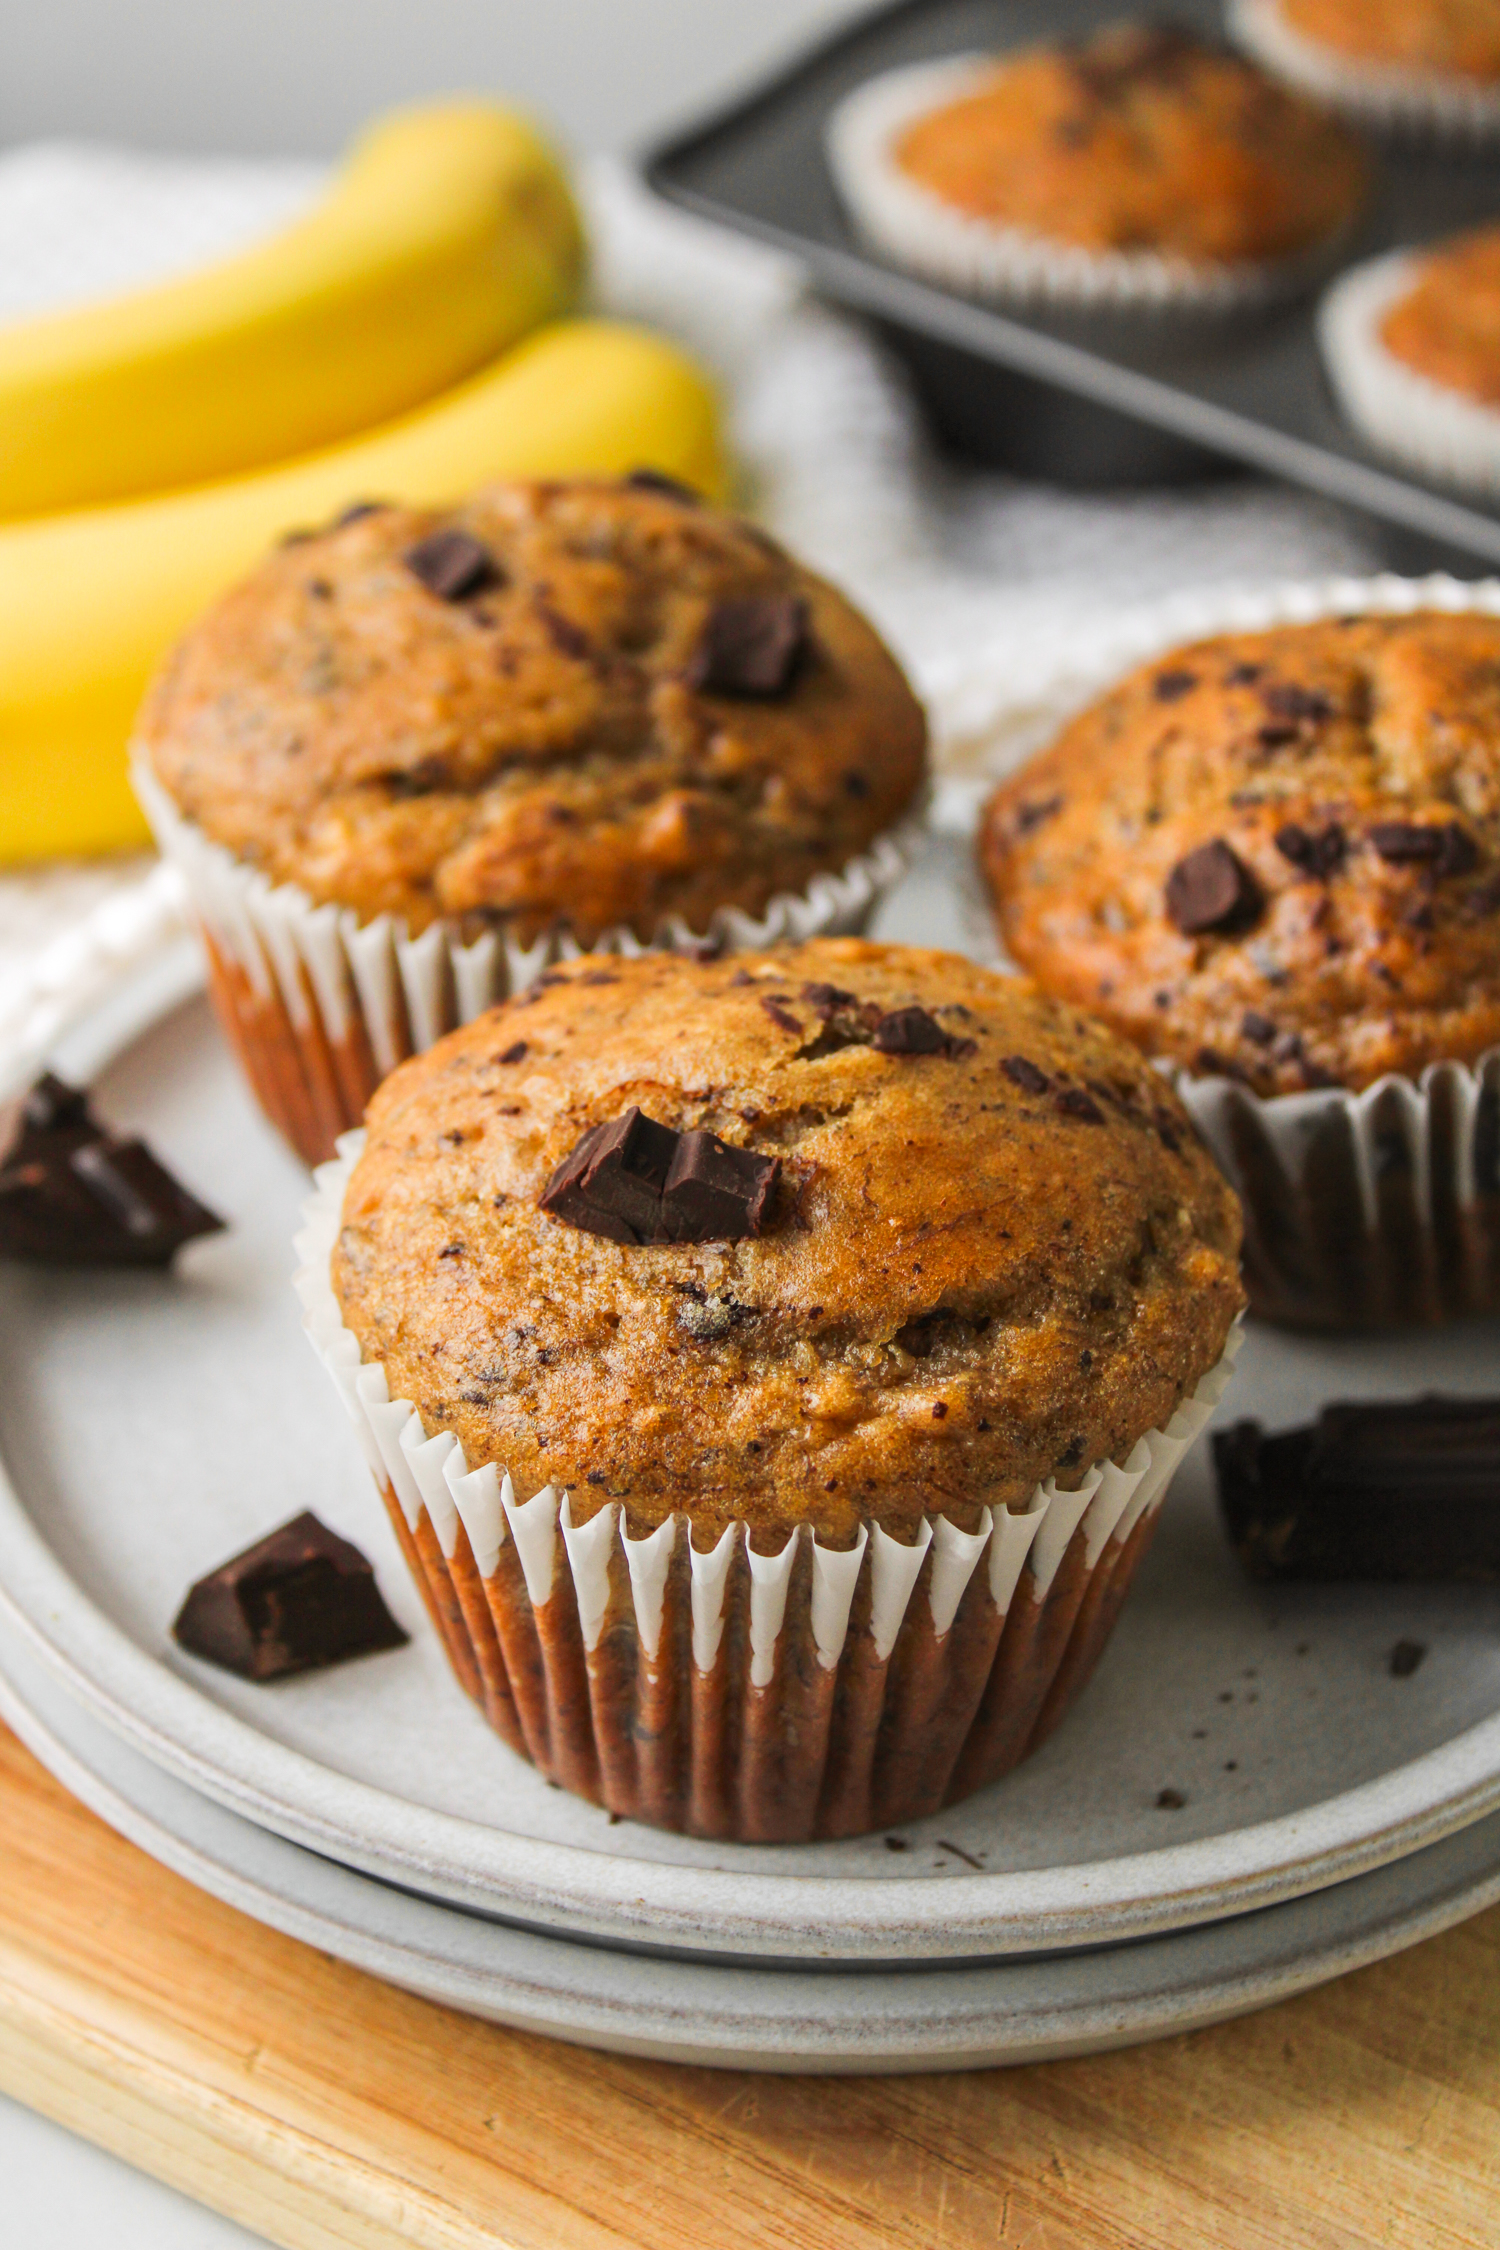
[{"x": 1300, "y": 1760}]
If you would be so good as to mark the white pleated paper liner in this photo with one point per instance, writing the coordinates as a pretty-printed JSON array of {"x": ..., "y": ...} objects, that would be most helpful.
[
  {"x": 915, "y": 228},
  {"x": 1404, "y": 414},
  {"x": 1362, "y": 1211},
  {"x": 1384, "y": 97},
  {"x": 320, "y": 1006},
  {"x": 761, "y": 1698}
]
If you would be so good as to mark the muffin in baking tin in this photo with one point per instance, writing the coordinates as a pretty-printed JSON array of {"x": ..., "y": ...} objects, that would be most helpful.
[
  {"x": 419, "y": 753},
  {"x": 858, "y": 1299},
  {"x": 1272, "y": 860},
  {"x": 1139, "y": 169}
]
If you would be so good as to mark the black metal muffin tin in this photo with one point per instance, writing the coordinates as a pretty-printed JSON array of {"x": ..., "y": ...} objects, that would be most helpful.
[{"x": 1081, "y": 402}]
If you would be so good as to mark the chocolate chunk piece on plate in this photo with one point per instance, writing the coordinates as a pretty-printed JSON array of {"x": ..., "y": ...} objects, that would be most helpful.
[
  {"x": 74, "y": 1194},
  {"x": 1397, "y": 1491},
  {"x": 298, "y": 1600}
]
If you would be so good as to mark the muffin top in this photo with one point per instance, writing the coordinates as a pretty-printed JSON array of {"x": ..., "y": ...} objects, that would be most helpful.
[
  {"x": 990, "y": 1246},
  {"x": 559, "y": 702},
  {"x": 1461, "y": 36},
  {"x": 1447, "y": 325},
  {"x": 1274, "y": 855},
  {"x": 1142, "y": 139}
]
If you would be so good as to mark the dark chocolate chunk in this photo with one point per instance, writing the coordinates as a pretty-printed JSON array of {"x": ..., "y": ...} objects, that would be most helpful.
[
  {"x": 912, "y": 1031},
  {"x": 856, "y": 784},
  {"x": 782, "y": 1017},
  {"x": 452, "y": 564},
  {"x": 1031, "y": 815},
  {"x": 1243, "y": 675},
  {"x": 1025, "y": 1074},
  {"x": 1400, "y": 1491},
  {"x": 1170, "y": 1800},
  {"x": 566, "y": 637},
  {"x": 1171, "y": 687},
  {"x": 1072, "y": 1101},
  {"x": 1258, "y": 1029},
  {"x": 299, "y": 1599},
  {"x": 1277, "y": 737},
  {"x": 751, "y": 646},
  {"x": 656, "y": 480},
  {"x": 634, "y": 1181},
  {"x": 1444, "y": 846},
  {"x": 715, "y": 1193},
  {"x": 1212, "y": 889},
  {"x": 1404, "y": 1658},
  {"x": 72, "y": 1194},
  {"x": 515, "y": 1053},
  {"x": 611, "y": 1183},
  {"x": 357, "y": 509},
  {"x": 823, "y": 999},
  {"x": 1284, "y": 699},
  {"x": 1314, "y": 851}
]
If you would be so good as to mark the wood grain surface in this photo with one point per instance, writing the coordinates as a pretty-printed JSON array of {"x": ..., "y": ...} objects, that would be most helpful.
[{"x": 308, "y": 2101}]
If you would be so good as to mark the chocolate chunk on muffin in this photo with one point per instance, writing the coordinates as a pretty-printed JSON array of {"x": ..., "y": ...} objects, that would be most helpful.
[
  {"x": 1140, "y": 143},
  {"x": 793, "y": 1271},
  {"x": 582, "y": 709},
  {"x": 1274, "y": 855}
]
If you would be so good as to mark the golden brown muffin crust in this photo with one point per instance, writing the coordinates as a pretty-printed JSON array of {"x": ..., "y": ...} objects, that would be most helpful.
[
  {"x": 1352, "y": 770},
  {"x": 981, "y": 1267},
  {"x": 1143, "y": 139},
  {"x": 1447, "y": 326},
  {"x": 534, "y": 751},
  {"x": 1454, "y": 35}
]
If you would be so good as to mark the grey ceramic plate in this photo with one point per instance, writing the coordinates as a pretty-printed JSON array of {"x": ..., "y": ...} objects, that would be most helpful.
[
  {"x": 855, "y": 2019},
  {"x": 151, "y": 1426}
]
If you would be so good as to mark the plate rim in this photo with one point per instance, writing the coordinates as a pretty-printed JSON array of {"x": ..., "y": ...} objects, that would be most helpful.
[{"x": 957, "y": 2018}]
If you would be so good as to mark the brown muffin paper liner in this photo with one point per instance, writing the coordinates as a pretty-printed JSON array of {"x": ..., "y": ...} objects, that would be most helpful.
[
  {"x": 1436, "y": 431},
  {"x": 1386, "y": 98},
  {"x": 754, "y": 1698},
  {"x": 319, "y": 1006},
  {"x": 914, "y": 227}
]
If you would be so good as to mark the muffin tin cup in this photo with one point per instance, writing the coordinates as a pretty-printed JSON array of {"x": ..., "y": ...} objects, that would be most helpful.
[
  {"x": 748, "y": 1697},
  {"x": 1362, "y": 1211},
  {"x": 320, "y": 1007},
  {"x": 1437, "y": 432},
  {"x": 1384, "y": 97},
  {"x": 913, "y": 227}
]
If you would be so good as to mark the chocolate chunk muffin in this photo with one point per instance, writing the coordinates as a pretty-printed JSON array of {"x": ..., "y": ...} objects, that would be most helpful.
[
  {"x": 1411, "y": 341},
  {"x": 1272, "y": 860},
  {"x": 583, "y": 707},
  {"x": 839, "y": 1253},
  {"x": 1274, "y": 855},
  {"x": 1141, "y": 143},
  {"x": 1431, "y": 63}
]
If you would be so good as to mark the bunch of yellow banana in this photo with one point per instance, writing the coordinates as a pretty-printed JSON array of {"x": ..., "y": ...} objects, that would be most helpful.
[{"x": 448, "y": 238}]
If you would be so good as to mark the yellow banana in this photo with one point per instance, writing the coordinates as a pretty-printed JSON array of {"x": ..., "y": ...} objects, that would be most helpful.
[
  {"x": 448, "y": 235},
  {"x": 90, "y": 602}
]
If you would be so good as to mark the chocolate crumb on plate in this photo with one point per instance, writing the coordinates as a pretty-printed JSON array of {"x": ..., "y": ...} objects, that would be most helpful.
[
  {"x": 1398, "y": 1491},
  {"x": 1405, "y": 1657},
  {"x": 1170, "y": 1800},
  {"x": 298, "y": 1600},
  {"x": 74, "y": 1194}
]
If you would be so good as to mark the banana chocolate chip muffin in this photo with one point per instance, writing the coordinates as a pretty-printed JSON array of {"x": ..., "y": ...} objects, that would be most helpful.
[
  {"x": 1273, "y": 858},
  {"x": 859, "y": 1257},
  {"x": 598, "y": 708},
  {"x": 1412, "y": 345},
  {"x": 1433, "y": 63},
  {"x": 1138, "y": 163}
]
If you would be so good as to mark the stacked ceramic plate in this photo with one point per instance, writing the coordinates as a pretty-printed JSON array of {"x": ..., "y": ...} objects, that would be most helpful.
[{"x": 1247, "y": 1800}]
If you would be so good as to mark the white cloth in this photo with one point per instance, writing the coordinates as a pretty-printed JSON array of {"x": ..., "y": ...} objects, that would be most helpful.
[{"x": 981, "y": 582}]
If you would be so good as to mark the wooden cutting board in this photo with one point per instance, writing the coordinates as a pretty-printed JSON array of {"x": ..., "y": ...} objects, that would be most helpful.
[{"x": 304, "y": 2099}]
